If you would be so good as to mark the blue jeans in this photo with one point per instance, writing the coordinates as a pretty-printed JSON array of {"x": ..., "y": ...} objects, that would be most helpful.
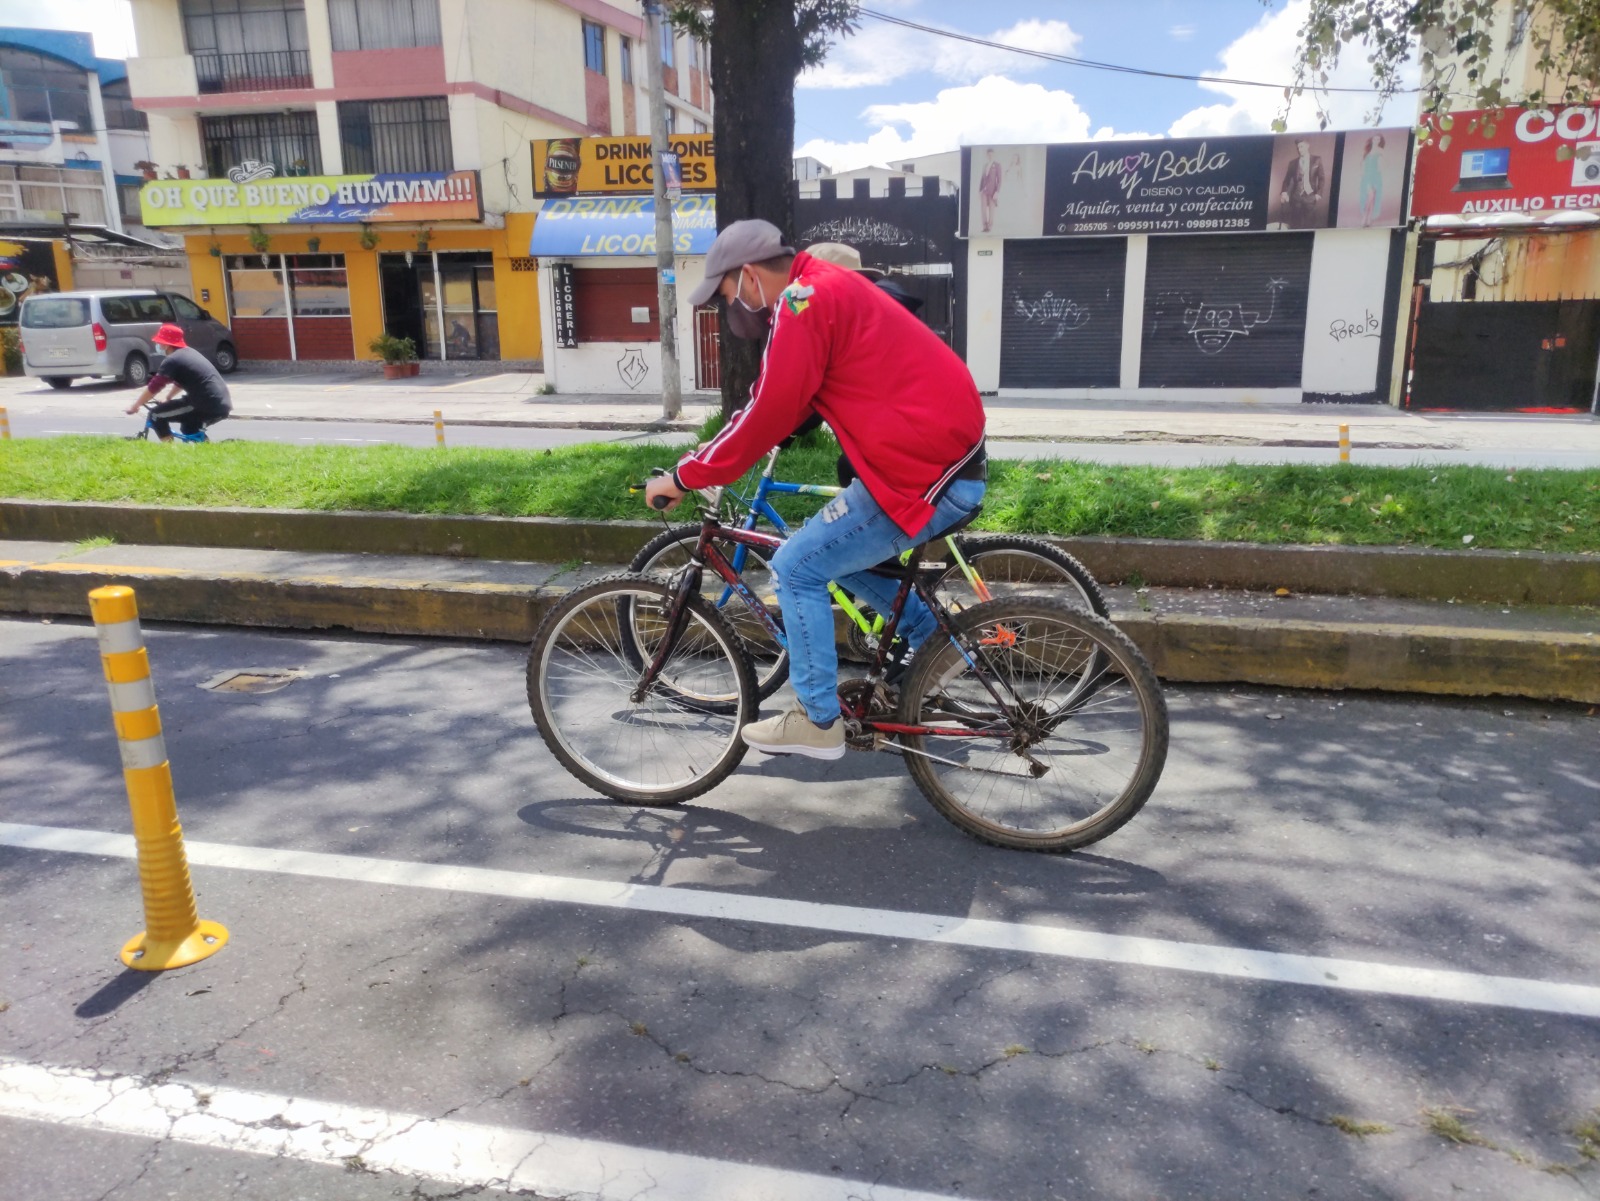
[{"x": 850, "y": 534}]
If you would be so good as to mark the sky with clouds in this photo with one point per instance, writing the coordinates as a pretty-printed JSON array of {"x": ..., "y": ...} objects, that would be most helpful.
[{"x": 888, "y": 93}]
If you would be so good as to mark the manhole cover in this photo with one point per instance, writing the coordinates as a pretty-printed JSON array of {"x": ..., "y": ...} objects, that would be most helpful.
[{"x": 252, "y": 679}]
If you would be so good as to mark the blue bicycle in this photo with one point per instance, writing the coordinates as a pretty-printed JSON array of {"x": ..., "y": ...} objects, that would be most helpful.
[
  {"x": 149, "y": 428},
  {"x": 981, "y": 567}
]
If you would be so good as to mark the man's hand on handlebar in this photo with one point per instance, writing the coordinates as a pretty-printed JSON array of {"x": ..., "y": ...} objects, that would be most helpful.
[{"x": 662, "y": 494}]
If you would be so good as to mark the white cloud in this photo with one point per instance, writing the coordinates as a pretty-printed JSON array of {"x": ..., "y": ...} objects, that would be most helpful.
[
  {"x": 1182, "y": 33},
  {"x": 111, "y": 21},
  {"x": 1267, "y": 52},
  {"x": 882, "y": 53},
  {"x": 995, "y": 109}
]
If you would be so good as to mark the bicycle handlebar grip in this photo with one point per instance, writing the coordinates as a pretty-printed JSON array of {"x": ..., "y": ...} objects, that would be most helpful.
[{"x": 659, "y": 503}]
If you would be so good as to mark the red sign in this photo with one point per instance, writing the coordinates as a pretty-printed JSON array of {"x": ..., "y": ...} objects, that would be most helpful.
[{"x": 1535, "y": 161}]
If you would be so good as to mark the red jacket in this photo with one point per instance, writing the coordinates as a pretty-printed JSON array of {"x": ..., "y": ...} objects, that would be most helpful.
[{"x": 903, "y": 405}]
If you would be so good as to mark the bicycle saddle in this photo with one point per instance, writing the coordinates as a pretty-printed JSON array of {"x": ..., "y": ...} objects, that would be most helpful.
[{"x": 892, "y": 566}]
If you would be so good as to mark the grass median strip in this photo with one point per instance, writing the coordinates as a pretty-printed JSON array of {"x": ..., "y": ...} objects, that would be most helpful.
[{"x": 1451, "y": 507}]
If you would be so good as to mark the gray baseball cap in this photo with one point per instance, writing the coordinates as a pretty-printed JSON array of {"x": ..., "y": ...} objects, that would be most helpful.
[{"x": 752, "y": 241}]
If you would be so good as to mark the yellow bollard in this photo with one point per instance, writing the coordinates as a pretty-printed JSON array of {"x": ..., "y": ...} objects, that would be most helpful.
[
  {"x": 438, "y": 427},
  {"x": 173, "y": 935},
  {"x": 1344, "y": 444},
  {"x": 5, "y": 424}
]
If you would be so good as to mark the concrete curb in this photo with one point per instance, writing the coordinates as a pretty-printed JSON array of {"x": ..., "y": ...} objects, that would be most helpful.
[
  {"x": 1390, "y": 658},
  {"x": 1498, "y": 577}
]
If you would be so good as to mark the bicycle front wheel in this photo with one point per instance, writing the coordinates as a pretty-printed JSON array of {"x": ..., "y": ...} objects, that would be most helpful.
[
  {"x": 670, "y": 552},
  {"x": 1070, "y": 751},
  {"x": 679, "y": 739}
]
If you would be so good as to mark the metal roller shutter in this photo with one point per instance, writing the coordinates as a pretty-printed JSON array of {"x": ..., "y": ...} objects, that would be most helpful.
[
  {"x": 1225, "y": 311},
  {"x": 1061, "y": 315}
]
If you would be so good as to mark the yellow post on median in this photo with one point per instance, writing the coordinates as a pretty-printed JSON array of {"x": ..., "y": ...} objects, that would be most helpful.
[
  {"x": 1344, "y": 444},
  {"x": 5, "y": 424},
  {"x": 438, "y": 427},
  {"x": 173, "y": 934}
]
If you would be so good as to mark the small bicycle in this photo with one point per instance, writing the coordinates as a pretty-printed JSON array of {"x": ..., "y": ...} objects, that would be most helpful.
[
  {"x": 1025, "y": 721},
  {"x": 981, "y": 567},
  {"x": 149, "y": 428}
]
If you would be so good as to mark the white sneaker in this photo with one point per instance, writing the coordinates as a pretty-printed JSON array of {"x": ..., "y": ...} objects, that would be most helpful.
[{"x": 794, "y": 733}]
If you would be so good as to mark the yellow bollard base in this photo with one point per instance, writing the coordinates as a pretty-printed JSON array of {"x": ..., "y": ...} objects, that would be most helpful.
[{"x": 144, "y": 956}]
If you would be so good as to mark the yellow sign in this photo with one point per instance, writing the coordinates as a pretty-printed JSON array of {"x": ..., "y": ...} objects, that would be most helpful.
[
  {"x": 314, "y": 200},
  {"x": 574, "y": 166}
]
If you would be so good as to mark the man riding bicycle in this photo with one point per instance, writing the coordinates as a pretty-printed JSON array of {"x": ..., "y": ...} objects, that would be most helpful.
[
  {"x": 204, "y": 398},
  {"x": 905, "y": 411}
]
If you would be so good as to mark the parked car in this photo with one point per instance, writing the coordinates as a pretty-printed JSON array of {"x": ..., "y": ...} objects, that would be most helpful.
[{"x": 73, "y": 335}]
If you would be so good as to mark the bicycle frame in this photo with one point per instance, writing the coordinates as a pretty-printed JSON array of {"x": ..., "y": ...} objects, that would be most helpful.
[
  {"x": 758, "y": 507},
  {"x": 708, "y": 554}
]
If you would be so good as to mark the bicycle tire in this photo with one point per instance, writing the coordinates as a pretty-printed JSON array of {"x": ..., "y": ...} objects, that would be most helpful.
[
  {"x": 580, "y": 678},
  {"x": 1018, "y": 563},
  {"x": 668, "y": 552},
  {"x": 1073, "y": 723}
]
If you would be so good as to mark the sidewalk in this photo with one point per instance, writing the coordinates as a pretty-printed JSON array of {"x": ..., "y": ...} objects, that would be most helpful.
[
  {"x": 514, "y": 399},
  {"x": 1189, "y": 634}
]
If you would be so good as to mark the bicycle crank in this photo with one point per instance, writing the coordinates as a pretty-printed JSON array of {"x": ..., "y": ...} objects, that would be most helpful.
[{"x": 863, "y": 700}]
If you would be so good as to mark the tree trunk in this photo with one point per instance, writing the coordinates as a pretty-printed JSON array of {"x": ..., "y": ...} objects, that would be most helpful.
[{"x": 755, "y": 57}]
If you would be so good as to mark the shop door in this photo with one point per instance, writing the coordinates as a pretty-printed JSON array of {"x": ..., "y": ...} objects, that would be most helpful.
[
  {"x": 1225, "y": 311},
  {"x": 1506, "y": 356},
  {"x": 707, "y": 349},
  {"x": 1061, "y": 313},
  {"x": 402, "y": 296}
]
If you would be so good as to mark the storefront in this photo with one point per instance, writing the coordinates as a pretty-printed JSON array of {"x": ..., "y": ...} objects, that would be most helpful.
[
  {"x": 598, "y": 291},
  {"x": 315, "y": 268},
  {"x": 1506, "y": 311},
  {"x": 1265, "y": 268}
]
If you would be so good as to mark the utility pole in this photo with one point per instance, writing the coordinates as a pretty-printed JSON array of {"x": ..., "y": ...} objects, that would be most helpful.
[{"x": 666, "y": 271}]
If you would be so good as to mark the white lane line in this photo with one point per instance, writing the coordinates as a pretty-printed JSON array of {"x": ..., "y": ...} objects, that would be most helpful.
[
  {"x": 1354, "y": 975},
  {"x": 453, "y": 1152}
]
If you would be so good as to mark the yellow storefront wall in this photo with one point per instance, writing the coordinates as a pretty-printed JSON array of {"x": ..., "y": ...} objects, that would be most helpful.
[{"x": 516, "y": 292}]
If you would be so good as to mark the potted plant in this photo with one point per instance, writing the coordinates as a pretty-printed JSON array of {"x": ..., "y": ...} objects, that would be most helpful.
[
  {"x": 145, "y": 168},
  {"x": 259, "y": 241},
  {"x": 422, "y": 241},
  {"x": 369, "y": 237},
  {"x": 313, "y": 244},
  {"x": 183, "y": 172},
  {"x": 399, "y": 355}
]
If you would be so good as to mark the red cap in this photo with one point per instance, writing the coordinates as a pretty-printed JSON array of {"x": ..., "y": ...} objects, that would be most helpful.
[{"x": 170, "y": 335}]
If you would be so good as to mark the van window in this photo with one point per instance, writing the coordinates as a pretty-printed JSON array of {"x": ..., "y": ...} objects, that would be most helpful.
[
  {"x": 187, "y": 309},
  {"x": 54, "y": 312},
  {"x": 118, "y": 310}
]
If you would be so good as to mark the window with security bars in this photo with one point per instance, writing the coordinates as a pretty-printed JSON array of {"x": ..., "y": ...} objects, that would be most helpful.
[
  {"x": 247, "y": 45},
  {"x": 625, "y": 58},
  {"x": 396, "y": 136},
  {"x": 383, "y": 24},
  {"x": 286, "y": 140}
]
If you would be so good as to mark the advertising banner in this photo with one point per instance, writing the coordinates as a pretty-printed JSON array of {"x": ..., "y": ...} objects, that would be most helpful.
[
  {"x": 314, "y": 199},
  {"x": 566, "y": 309},
  {"x": 26, "y": 269},
  {"x": 1535, "y": 161},
  {"x": 1188, "y": 185},
  {"x": 601, "y": 226},
  {"x": 577, "y": 166}
]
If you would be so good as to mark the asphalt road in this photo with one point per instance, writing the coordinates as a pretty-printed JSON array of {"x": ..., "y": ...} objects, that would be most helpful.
[{"x": 486, "y": 976}]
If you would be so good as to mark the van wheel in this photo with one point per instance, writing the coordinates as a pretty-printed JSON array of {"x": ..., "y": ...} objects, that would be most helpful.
[
  {"x": 59, "y": 382},
  {"x": 227, "y": 358},
  {"x": 136, "y": 371}
]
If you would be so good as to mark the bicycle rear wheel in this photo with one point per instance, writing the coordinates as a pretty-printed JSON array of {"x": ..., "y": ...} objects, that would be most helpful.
[
  {"x": 678, "y": 740},
  {"x": 1009, "y": 564},
  {"x": 1071, "y": 755},
  {"x": 670, "y": 551}
]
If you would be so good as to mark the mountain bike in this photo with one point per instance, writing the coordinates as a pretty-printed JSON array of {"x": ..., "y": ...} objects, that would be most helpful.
[
  {"x": 149, "y": 428},
  {"x": 1027, "y": 722},
  {"x": 980, "y": 567}
]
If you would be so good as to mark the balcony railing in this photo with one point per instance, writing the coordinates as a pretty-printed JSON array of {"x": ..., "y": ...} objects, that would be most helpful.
[{"x": 253, "y": 71}]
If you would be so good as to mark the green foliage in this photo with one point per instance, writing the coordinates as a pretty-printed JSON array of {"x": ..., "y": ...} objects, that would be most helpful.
[
  {"x": 11, "y": 349},
  {"x": 1462, "y": 47},
  {"x": 817, "y": 22},
  {"x": 392, "y": 349},
  {"x": 1546, "y": 510}
]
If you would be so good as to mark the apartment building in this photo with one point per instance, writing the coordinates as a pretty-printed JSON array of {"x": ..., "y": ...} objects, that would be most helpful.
[{"x": 344, "y": 168}]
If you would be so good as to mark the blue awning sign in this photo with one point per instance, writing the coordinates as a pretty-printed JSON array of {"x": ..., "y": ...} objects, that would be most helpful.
[{"x": 590, "y": 226}]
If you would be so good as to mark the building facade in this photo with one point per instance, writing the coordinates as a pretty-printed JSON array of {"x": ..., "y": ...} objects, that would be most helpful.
[
  {"x": 341, "y": 169},
  {"x": 1241, "y": 268}
]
